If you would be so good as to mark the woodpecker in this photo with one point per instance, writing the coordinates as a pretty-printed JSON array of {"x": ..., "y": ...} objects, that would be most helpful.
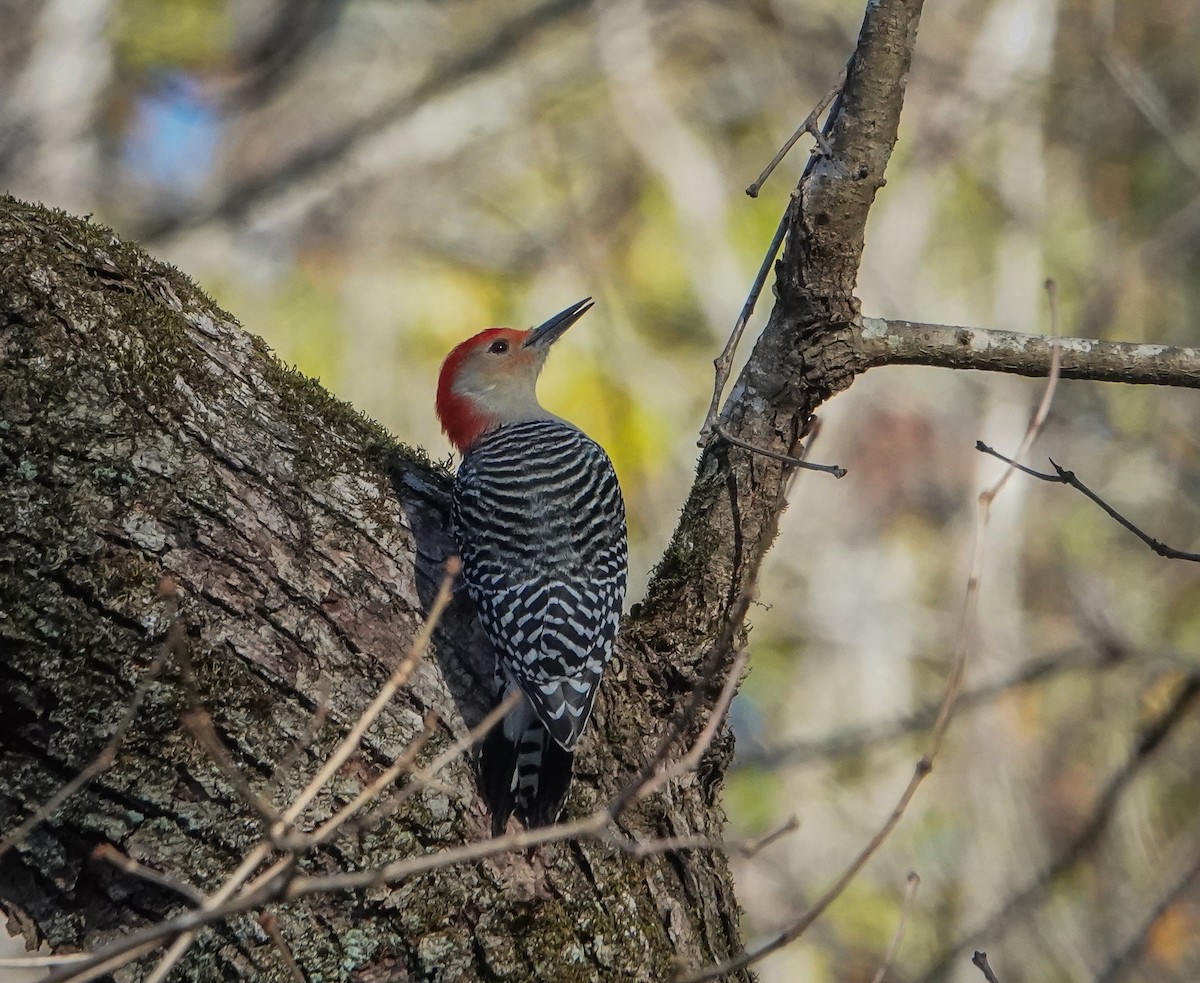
[{"x": 540, "y": 526}]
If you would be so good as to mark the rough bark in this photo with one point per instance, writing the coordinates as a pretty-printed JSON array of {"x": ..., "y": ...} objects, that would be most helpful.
[
  {"x": 807, "y": 352},
  {"x": 144, "y": 435}
]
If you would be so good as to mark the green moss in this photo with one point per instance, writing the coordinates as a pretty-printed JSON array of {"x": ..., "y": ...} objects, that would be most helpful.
[{"x": 685, "y": 561}]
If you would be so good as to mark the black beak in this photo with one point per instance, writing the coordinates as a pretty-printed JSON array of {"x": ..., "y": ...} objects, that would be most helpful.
[{"x": 545, "y": 335}]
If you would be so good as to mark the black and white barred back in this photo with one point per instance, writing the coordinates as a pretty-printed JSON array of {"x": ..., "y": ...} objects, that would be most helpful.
[{"x": 540, "y": 525}]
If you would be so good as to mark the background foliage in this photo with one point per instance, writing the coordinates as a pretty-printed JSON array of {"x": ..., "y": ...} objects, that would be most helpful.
[{"x": 366, "y": 182}]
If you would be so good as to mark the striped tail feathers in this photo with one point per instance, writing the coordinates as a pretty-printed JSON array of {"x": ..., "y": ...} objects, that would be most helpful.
[
  {"x": 497, "y": 769},
  {"x": 524, "y": 769}
]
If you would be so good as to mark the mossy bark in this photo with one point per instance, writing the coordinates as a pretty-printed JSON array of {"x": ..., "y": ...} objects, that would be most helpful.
[
  {"x": 808, "y": 351},
  {"x": 144, "y": 435},
  {"x": 146, "y": 440}
]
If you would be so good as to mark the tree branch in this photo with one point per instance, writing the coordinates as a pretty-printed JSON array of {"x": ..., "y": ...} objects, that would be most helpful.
[
  {"x": 883, "y": 341},
  {"x": 1062, "y": 476},
  {"x": 1025, "y": 900}
]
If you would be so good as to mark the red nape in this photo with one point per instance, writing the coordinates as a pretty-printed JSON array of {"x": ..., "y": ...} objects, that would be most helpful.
[{"x": 464, "y": 420}]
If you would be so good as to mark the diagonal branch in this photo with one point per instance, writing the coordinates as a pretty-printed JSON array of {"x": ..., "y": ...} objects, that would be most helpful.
[
  {"x": 1026, "y": 899},
  {"x": 1062, "y": 476}
]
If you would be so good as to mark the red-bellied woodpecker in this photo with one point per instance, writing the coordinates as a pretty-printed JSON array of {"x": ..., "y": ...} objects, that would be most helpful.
[{"x": 540, "y": 526}]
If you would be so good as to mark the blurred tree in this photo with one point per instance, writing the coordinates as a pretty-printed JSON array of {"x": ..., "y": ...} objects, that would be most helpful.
[{"x": 391, "y": 175}]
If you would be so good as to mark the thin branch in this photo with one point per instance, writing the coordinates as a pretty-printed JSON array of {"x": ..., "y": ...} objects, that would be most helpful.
[
  {"x": 966, "y": 627},
  {"x": 395, "y": 682},
  {"x": 270, "y": 887},
  {"x": 1125, "y": 959},
  {"x": 1062, "y": 476},
  {"x": 894, "y": 342},
  {"x": 109, "y": 957},
  {"x": 980, "y": 960},
  {"x": 689, "y": 761},
  {"x": 274, "y": 882},
  {"x": 93, "y": 967},
  {"x": 38, "y": 960},
  {"x": 808, "y": 126},
  {"x": 1043, "y": 408},
  {"x": 270, "y": 925},
  {"x": 127, "y": 865},
  {"x": 723, "y": 363},
  {"x": 304, "y": 741},
  {"x": 744, "y": 848},
  {"x": 757, "y": 846},
  {"x": 130, "y": 946},
  {"x": 1146, "y": 97},
  {"x": 650, "y": 778},
  {"x": 1148, "y": 740},
  {"x": 402, "y": 765},
  {"x": 796, "y": 462},
  {"x": 910, "y": 894},
  {"x": 199, "y": 724},
  {"x": 280, "y": 883},
  {"x": 340, "y": 756},
  {"x": 709, "y": 665},
  {"x": 108, "y": 753},
  {"x": 855, "y": 740},
  {"x": 423, "y": 777}
]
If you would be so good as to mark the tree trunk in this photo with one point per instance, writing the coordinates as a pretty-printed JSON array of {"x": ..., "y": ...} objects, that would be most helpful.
[
  {"x": 149, "y": 445},
  {"x": 150, "y": 449}
]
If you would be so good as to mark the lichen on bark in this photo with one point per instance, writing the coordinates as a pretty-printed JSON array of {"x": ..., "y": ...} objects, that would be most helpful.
[{"x": 148, "y": 444}]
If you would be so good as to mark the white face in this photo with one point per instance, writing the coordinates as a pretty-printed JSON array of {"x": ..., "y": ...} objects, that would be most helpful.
[{"x": 501, "y": 378}]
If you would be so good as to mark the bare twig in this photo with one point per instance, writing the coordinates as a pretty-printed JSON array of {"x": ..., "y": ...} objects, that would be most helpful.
[
  {"x": 1043, "y": 409},
  {"x": 108, "y": 753},
  {"x": 1062, "y": 476},
  {"x": 1146, "y": 97},
  {"x": 941, "y": 724},
  {"x": 172, "y": 956},
  {"x": 710, "y": 664},
  {"x": 1124, "y": 960},
  {"x": 304, "y": 741},
  {"x": 689, "y": 761},
  {"x": 723, "y": 363},
  {"x": 200, "y": 724},
  {"x": 1147, "y": 741},
  {"x": 425, "y": 775},
  {"x": 651, "y": 777},
  {"x": 980, "y": 960},
  {"x": 808, "y": 126},
  {"x": 92, "y": 967},
  {"x": 278, "y": 883},
  {"x": 669, "y": 844},
  {"x": 797, "y": 462},
  {"x": 855, "y": 740},
  {"x": 350, "y": 742},
  {"x": 127, "y": 865},
  {"x": 340, "y": 756},
  {"x": 800, "y": 926},
  {"x": 757, "y": 846},
  {"x": 271, "y": 887},
  {"x": 402, "y": 765},
  {"x": 910, "y": 894},
  {"x": 270, "y": 925},
  {"x": 39, "y": 960}
]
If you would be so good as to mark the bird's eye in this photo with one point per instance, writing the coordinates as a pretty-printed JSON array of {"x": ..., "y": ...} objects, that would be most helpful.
[{"x": 498, "y": 347}]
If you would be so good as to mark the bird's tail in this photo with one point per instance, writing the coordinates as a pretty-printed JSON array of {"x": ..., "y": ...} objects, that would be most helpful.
[{"x": 522, "y": 769}]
